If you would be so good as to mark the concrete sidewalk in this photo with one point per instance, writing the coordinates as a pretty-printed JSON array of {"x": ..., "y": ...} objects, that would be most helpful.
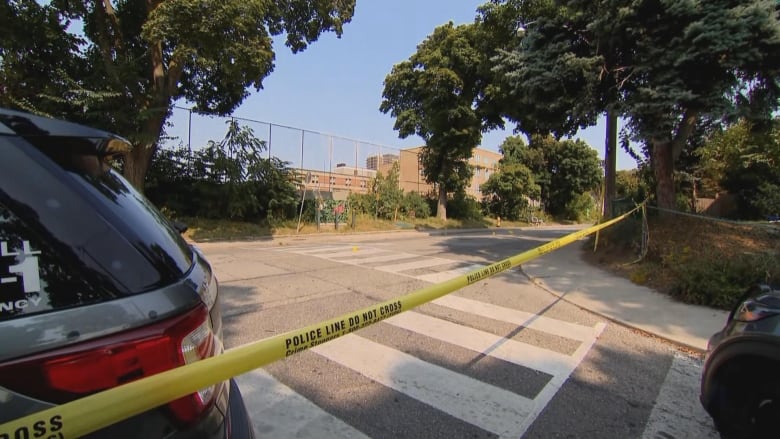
[{"x": 565, "y": 274}]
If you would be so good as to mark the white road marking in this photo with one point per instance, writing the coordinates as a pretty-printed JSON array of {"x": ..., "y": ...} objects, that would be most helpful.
[
  {"x": 677, "y": 412},
  {"x": 534, "y": 321},
  {"x": 424, "y": 263},
  {"x": 357, "y": 253},
  {"x": 546, "y": 395},
  {"x": 489, "y": 407},
  {"x": 443, "y": 276},
  {"x": 493, "y": 409},
  {"x": 522, "y": 354},
  {"x": 316, "y": 251},
  {"x": 278, "y": 411},
  {"x": 383, "y": 258}
]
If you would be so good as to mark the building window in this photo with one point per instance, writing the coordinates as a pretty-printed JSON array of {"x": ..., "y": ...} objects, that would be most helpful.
[
  {"x": 363, "y": 184},
  {"x": 332, "y": 180},
  {"x": 349, "y": 182}
]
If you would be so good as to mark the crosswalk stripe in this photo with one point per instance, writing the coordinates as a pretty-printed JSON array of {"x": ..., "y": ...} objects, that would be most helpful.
[
  {"x": 384, "y": 258},
  {"x": 278, "y": 411},
  {"x": 489, "y": 407},
  {"x": 493, "y": 409},
  {"x": 443, "y": 276},
  {"x": 522, "y": 354},
  {"x": 549, "y": 391},
  {"x": 557, "y": 327},
  {"x": 681, "y": 382},
  {"x": 355, "y": 253},
  {"x": 423, "y": 263},
  {"x": 316, "y": 251}
]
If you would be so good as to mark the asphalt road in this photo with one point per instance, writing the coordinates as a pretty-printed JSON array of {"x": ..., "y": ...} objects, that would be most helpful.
[{"x": 500, "y": 358}]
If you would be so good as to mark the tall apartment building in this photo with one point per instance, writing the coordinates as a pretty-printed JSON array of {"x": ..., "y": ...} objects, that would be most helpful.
[{"x": 379, "y": 162}]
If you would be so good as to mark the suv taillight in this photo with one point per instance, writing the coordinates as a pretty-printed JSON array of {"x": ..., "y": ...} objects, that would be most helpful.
[{"x": 70, "y": 373}]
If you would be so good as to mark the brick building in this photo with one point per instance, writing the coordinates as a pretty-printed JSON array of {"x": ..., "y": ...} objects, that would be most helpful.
[{"x": 344, "y": 179}]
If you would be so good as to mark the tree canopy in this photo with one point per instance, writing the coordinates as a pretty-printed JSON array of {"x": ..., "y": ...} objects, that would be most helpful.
[
  {"x": 121, "y": 65},
  {"x": 664, "y": 66},
  {"x": 557, "y": 172},
  {"x": 507, "y": 192},
  {"x": 435, "y": 95}
]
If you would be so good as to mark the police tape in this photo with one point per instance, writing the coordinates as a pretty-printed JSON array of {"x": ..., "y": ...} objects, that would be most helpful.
[{"x": 91, "y": 413}]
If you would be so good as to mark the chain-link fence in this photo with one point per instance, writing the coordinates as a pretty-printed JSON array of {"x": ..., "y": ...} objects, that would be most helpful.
[{"x": 330, "y": 166}]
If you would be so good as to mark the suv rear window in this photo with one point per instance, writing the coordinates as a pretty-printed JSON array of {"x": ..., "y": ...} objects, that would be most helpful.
[
  {"x": 93, "y": 236},
  {"x": 35, "y": 275}
]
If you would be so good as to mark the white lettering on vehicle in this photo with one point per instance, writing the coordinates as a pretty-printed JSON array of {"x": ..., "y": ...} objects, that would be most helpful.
[
  {"x": 19, "y": 304},
  {"x": 27, "y": 268}
]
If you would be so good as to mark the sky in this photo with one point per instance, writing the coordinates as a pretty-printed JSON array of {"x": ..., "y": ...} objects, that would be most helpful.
[{"x": 335, "y": 85}]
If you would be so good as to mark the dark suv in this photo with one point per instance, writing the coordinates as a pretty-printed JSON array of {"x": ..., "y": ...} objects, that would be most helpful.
[
  {"x": 740, "y": 384},
  {"x": 97, "y": 288}
]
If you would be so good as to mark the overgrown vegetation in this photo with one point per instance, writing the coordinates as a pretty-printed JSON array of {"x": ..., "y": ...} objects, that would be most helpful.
[
  {"x": 227, "y": 179},
  {"x": 694, "y": 260}
]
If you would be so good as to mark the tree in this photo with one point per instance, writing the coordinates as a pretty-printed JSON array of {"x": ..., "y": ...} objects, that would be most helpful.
[
  {"x": 230, "y": 178},
  {"x": 564, "y": 170},
  {"x": 584, "y": 85},
  {"x": 435, "y": 95},
  {"x": 388, "y": 193},
  {"x": 507, "y": 191},
  {"x": 142, "y": 56},
  {"x": 655, "y": 56},
  {"x": 744, "y": 159}
]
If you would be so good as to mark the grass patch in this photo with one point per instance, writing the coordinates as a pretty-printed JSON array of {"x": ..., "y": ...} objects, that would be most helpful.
[
  {"x": 200, "y": 229},
  {"x": 693, "y": 260}
]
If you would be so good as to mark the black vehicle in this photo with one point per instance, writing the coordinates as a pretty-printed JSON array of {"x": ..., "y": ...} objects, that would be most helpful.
[
  {"x": 740, "y": 386},
  {"x": 97, "y": 288}
]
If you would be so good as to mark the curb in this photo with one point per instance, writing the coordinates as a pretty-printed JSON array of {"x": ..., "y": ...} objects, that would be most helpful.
[{"x": 613, "y": 319}]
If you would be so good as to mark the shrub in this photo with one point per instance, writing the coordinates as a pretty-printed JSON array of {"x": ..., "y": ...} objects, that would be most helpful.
[
  {"x": 464, "y": 207},
  {"x": 719, "y": 280},
  {"x": 581, "y": 209},
  {"x": 414, "y": 202}
]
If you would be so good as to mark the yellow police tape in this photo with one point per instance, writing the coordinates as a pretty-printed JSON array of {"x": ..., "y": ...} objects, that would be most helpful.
[{"x": 94, "y": 412}]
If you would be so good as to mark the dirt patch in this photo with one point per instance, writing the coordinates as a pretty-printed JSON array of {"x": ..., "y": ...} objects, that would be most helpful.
[{"x": 679, "y": 248}]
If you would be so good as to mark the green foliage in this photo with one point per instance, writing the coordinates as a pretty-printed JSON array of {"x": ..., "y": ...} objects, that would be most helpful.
[
  {"x": 464, "y": 207},
  {"x": 627, "y": 184},
  {"x": 389, "y": 195},
  {"x": 228, "y": 179},
  {"x": 142, "y": 56},
  {"x": 435, "y": 95},
  {"x": 386, "y": 200},
  {"x": 643, "y": 60},
  {"x": 582, "y": 209},
  {"x": 507, "y": 191},
  {"x": 414, "y": 202},
  {"x": 564, "y": 171},
  {"x": 720, "y": 281},
  {"x": 745, "y": 160},
  {"x": 364, "y": 204}
]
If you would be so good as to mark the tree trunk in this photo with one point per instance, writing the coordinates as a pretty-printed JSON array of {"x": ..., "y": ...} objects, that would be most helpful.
[
  {"x": 441, "y": 208},
  {"x": 663, "y": 168},
  {"x": 610, "y": 164},
  {"x": 665, "y": 154},
  {"x": 139, "y": 159},
  {"x": 137, "y": 163}
]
